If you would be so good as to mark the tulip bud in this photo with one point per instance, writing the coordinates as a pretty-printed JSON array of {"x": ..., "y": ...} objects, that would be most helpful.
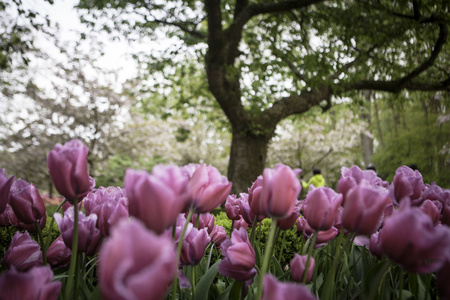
[
  {"x": 239, "y": 257},
  {"x": 298, "y": 265},
  {"x": 68, "y": 167},
  {"x": 34, "y": 284},
  {"x": 232, "y": 208},
  {"x": 208, "y": 188},
  {"x": 158, "y": 198},
  {"x": 275, "y": 290},
  {"x": 193, "y": 248},
  {"x": 320, "y": 207},
  {"x": 149, "y": 261},
  {"x": 280, "y": 189},
  {"x": 408, "y": 183},
  {"x": 26, "y": 202},
  {"x": 58, "y": 254},
  {"x": 218, "y": 235},
  {"x": 5, "y": 186},
  {"x": 23, "y": 253}
]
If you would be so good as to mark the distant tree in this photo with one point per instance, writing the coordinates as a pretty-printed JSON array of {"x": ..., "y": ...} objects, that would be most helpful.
[{"x": 267, "y": 60}]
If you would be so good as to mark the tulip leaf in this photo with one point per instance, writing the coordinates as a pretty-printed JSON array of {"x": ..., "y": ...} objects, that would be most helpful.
[
  {"x": 375, "y": 278},
  {"x": 235, "y": 292},
  {"x": 278, "y": 269},
  {"x": 202, "y": 288}
]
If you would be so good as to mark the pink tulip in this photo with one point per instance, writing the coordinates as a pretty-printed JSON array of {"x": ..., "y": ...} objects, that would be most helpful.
[
  {"x": 232, "y": 208},
  {"x": 254, "y": 194},
  {"x": 208, "y": 189},
  {"x": 88, "y": 234},
  {"x": 218, "y": 235},
  {"x": 193, "y": 248},
  {"x": 68, "y": 168},
  {"x": 291, "y": 220},
  {"x": 375, "y": 245},
  {"x": 36, "y": 284},
  {"x": 58, "y": 254},
  {"x": 158, "y": 198},
  {"x": 323, "y": 237},
  {"x": 26, "y": 202},
  {"x": 432, "y": 209},
  {"x": 239, "y": 257},
  {"x": 364, "y": 208},
  {"x": 201, "y": 221},
  {"x": 276, "y": 290},
  {"x": 5, "y": 186},
  {"x": 23, "y": 253},
  {"x": 280, "y": 189},
  {"x": 245, "y": 210},
  {"x": 298, "y": 265},
  {"x": 408, "y": 183},
  {"x": 410, "y": 239},
  {"x": 109, "y": 204},
  {"x": 435, "y": 192},
  {"x": 241, "y": 223},
  {"x": 320, "y": 208},
  {"x": 135, "y": 263}
]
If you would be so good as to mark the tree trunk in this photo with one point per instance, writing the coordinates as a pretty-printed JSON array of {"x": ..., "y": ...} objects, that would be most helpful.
[{"x": 247, "y": 159}]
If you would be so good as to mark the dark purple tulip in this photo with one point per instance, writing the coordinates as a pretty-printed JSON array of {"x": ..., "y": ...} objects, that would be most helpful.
[
  {"x": 409, "y": 238},
  {"x": 280, "y": 189},
  {"x": 298, "y": 265},
  {"x": 408, "y": 183},
  {"x": 26, "y": 202},
  {"x": 109, "y": 204},
  {"x": 364, "y": 208},
  {"x": 205, "y": 220},
  {"x": 68, "y": 167},
  {"x": 58, "y": 254},
  {"x": 8, "y": 217},
  {"x": 31, "y": 228},
  {"x": 276, "y": 290},
  {"x": 135, "y": 263},
  {"x": 442, "y": 281},
  {"x": 445, "y": 216},
  {"x": 158, "y": 198},
  {"x": 287, "y": 223},
  {"x": 432, "y": 209},
  {"x": 232, "y": 208},
  {"x": 23, "y": 253},
  {"x": 239, "y": 257},
  {"x": 193, "y": 248},
  {"x": 5, "y": 186},
  {"x": 88, "y": 234},
  {"x": 208, "y": 188},
  {"x": 254, "y": 194},
  {"x": 320, "y": 208},
  {"x": 35, "y": 284},
  {"x": 218, "y": 235}
]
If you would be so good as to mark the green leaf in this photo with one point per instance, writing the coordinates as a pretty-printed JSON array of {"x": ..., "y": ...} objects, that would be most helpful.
[
  {"x": 375, "y": 277},
  {"x": 202, "y": 288}
]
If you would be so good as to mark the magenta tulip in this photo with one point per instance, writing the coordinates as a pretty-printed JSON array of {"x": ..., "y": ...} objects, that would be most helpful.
[
  {"x": 409, "y": 238},
  {"x": 134, "y": 263},
  {"x": 375, "y": 245},
  {"x": 35, "y": 284},
  {"x": 193, "y": 248},
  {"x": 276, "y": 290},
  {"x": 31, "y": 228},
  {"x": 201, "y": 221},
  {"x": 298, "y": 266},
  {"x": 320, "y": 207},
  {"x": 23, "y": 253},
  {"x": 232, "y": 208},
  {"x": 208, "y": 189},
  {"x": 218, "y": 235},
  {"x": 88, "y": 234},
  {"x": 245, "y": 210},
  {"x": 58, "y": 254},
  {"x": 5, "y": 186},
  {"x": 254, "y": 194},
  {"x": 432, "y": 209},
  {"x": 26, "y": 202},
  {"x": 239, "y": 257},
  {"x": 435, "y": 192},
  {"x": 364, "y": 208},
  {"x": 8, "y": 217},
  {"x": 158, "y": 198},
  {"x": 291, "y": 220},
  {"x": 109, "y": 204},
  {"x": 408, "y": 183},
  {"x": 68, "y": 167},
  {"x": 280, "y": 189}
]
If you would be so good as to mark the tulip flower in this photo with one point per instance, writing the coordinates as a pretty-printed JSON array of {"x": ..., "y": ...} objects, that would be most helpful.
[
  {"x": 109, "y": 204},
  {"x": 135, "y": 263},
  {"x": 193, "y": 248},
  {"x": 408, "y": 183},
  {"x": 442, "y": 281},
  {"x": 298, "y": 265},
  {"x": 323, "y": 237},
  {"x": 208, "y": 189},
  {"x": 245, "y": 210},
  {"x": 201, "y": 221},
  {"x": 320, "y": 208},
  {"x": 280, "y": 189},
  {"x": 218, "y": 235},
  {"x": 158, "y": 198},
  {"x": 5, "y": 186},
  {"x": 35, "y": 284},
  {"x": 410, "y": 239},
  {"x": 31, "y": 228},
  {"x": 435, "y": 192},
  {"x": 287, "y": 223},
  {"x": 445, "y": 216},
  {"x": 26, "y": 202},
  {"x": 254, "y": 194},
  {"x": 375, "y": 245},
  {"x": 23, "y": 253},
  {"x": 432, "y": 209},
  {"x": 58, "y": 254},
  {"x": 239, "y": 257},
  {"x": 88, "y": 234},
  {"x": 8, "y": 218},
  {"x": 232, "y": 208},
  {"x": 68, "y": 167},
  {"x": 275, "y": 290},
  {"x": 364, "y": 208}
]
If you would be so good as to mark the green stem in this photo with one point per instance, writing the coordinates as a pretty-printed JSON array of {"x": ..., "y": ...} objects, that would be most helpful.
[
  {"x": 400, "y": 276},
  {"x": 177, "y": 258},
  {"x": 252, "y": 233},
  {"x": 283, "y": 242},
  {"x": 42, "y": 243},
  {"x": 267, "y": 255},
  {"x": 311, "y": 247},
  {"x": 232, "y": 226},
  {"x": 329, "y": 281},
  {"x": 193, "y": 281},
  {"x": 73, "y": 259},
  {"x": 50, "y": 229}
]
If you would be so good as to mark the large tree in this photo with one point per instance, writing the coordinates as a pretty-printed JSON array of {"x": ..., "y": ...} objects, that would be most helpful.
[{"x": 266, "y": 60}]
